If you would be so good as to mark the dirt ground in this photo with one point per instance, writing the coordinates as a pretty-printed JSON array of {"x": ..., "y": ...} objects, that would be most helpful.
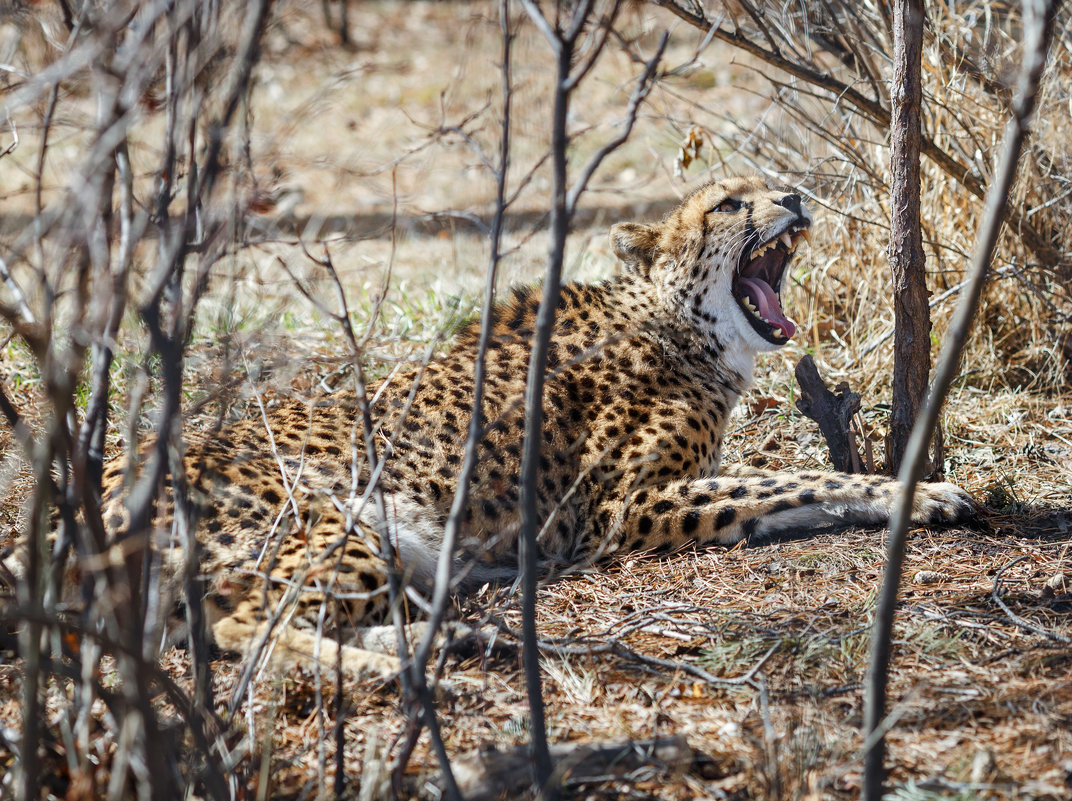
[{"x": 756, "y": 655}]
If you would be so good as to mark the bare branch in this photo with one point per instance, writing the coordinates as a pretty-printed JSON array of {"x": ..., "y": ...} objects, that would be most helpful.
[
  {"x": 445, "y": 564},
  {"x": 537, "y": 16},
  {"x": 25, "y": 314},
  {"x": 643, "y": 86},
  {"x": 564, "y": 201},
  {"x": 1015, "y": 618}
]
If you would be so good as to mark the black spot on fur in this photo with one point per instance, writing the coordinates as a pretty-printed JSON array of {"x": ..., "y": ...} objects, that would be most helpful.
[{"x": 725, "y": 517}]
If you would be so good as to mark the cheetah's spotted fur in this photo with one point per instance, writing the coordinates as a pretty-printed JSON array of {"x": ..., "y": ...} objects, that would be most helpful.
[{"x": 642, "y": 374}]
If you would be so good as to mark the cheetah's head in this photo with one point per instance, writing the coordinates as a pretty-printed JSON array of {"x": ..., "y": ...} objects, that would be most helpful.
[{"x": 721, "y": 256}]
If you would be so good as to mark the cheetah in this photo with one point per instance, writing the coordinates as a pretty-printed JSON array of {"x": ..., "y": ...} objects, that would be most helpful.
[{"x": 642, "y": 372}]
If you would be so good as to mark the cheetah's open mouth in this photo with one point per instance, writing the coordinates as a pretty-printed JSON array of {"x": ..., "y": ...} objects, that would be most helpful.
[{"x": 759, "y": 282}]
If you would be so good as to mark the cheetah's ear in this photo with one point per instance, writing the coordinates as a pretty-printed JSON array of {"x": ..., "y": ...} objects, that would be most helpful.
[{"x": 636, "y": 245}]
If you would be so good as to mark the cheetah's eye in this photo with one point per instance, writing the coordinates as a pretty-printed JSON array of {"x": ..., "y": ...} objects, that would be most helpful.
[{"x": 728, "y": 206}]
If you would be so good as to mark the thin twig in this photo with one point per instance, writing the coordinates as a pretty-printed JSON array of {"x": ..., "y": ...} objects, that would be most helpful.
[
  {"x": 414, "y": 683},
  {"x": 1015, "y": 618},
  {"x": 614, "y": 646},
  {"x": 564, "y": 202},
  {"x": 641, "y": 89},
  {"x": 13, "y": 287},
  {"x": 445, "y": 564}
]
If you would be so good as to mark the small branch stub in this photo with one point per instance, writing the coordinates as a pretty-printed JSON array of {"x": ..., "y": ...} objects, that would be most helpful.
[{"x": 833, "y": 412}]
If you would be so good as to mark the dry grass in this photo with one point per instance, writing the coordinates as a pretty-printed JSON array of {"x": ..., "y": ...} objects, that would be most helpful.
[
  {"x": 969, "y": 686},
  {"x": 364, "y": 148}
]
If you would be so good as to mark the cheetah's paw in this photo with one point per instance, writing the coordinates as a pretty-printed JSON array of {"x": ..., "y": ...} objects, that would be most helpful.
[
  {"x": 941, "y": 502},
  {"x": 370, "y": 665}
]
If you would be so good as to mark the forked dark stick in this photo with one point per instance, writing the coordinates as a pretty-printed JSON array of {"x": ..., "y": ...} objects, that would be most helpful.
[{"x": 833, "y": 412}]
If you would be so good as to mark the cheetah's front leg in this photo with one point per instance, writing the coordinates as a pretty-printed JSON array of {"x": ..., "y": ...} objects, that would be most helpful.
[
  {"x": 729, "y": 508},
  {"x": 293, "y": 649}
]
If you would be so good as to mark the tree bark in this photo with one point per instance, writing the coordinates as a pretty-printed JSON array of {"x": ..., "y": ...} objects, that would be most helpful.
[
  {"x": 1038, "y": 34},
  {"x": 912, "y": 323}
]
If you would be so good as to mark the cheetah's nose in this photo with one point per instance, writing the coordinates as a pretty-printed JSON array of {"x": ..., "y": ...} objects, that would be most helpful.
[{"x": 791, "y": 202}]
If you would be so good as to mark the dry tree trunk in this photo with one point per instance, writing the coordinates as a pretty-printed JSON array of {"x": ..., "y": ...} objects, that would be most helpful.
[
  {"x": 1038, "y": 33},
  {"x": 912, "y": 321}
]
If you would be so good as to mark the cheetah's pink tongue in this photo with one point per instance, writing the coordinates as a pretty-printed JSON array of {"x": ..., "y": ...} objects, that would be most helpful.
[{"x": 765, "y": 299}]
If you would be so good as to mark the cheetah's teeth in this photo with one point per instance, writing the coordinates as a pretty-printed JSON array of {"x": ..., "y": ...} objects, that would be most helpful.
[
  {"x": 777, "y": 333},
  {"x": 761, "y": 250},
  {"x": 785, "y": 239}
]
